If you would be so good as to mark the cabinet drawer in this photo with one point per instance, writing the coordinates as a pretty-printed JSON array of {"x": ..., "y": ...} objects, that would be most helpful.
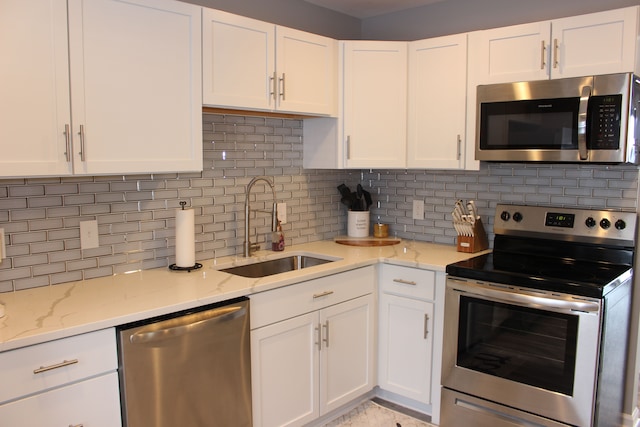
[
  {"x": 289, "y": 301},
  {"x": 52, "y": 364},
  {"x": 407, "y": 281},
  {"x": 90, "y": 403}
]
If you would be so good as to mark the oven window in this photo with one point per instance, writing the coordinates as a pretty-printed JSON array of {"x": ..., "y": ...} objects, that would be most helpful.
[
  {"x": 526, "y": 345},
  {"x": 534, "y": 124}
]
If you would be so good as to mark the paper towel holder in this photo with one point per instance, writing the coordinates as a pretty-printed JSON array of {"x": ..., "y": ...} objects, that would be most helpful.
[
  {"x": 175, "y": 267},
  {"x": 187, "y": 269}
]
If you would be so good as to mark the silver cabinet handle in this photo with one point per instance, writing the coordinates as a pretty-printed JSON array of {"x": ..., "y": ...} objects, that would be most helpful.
[
  {"x": 543, "y": 56},
  {"x": 62, "y": 364},
  {"x": 459, "y": 141},
  {"x": 348, "y": 147},
  {"x": 318, "y": 330},
  {"x": 281, "y": 83},
  {"x": 81, "y": 133},
  {"x": 272, "y": 86},
  {"x": 76, "y": 425},
  {"x": 426, "y": 325},
  {"x": 326, "y": 334},
  {"x": 67, "y": 142},
  {"x": 555, "y": 53},
  {"x": 405, "y": 282},
  {"x": 322, "y": 294}
]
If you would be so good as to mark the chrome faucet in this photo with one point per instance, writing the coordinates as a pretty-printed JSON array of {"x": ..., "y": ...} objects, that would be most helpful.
[{"x": 248, "y": 246}]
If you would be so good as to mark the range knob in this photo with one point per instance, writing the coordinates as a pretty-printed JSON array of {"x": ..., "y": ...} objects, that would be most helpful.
[
  {"x": 590, "y": 222},
  {"x": 620, "y": 225},
  {"x": 605, "y": 223},
  {"x": 505, "y": 216},
  {"x": 517, "y": 217}
]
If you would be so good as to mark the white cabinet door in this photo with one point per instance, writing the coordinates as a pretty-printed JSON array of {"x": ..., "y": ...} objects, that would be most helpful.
[
  {"x": 309, "y": 365},
  {"x": 34, "y": 94},
  {"x": 136, "y": 86},
  {"x": 405, "y": 346},
  {"x": 306, "y": 72},
  {"x": 91, "y": 403},
  {"x": 510, "y": 54},
  {"x": 437, "y": 99},
  {"x": 238, "y": 56},
  {"x": 375, "y": 104},
  {"x": 598, "y": 43},
  {"x": 346, "y": 359},
  {"x": 254, "y": 65},
  {"x": 285, "y": 372}
]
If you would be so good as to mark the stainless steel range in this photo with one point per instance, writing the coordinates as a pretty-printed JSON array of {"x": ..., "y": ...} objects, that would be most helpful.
[{"x": 536, "y": 332}]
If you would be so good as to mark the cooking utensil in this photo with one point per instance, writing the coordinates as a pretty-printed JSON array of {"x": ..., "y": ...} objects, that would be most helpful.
[
  {"x": 473, "y": 211},
  {"x": 367, "y": 199}
]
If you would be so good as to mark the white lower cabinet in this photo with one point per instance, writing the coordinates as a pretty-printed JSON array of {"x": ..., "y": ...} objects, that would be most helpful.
[
  {"x": 91, "y": 403},
  {"x": 410, "y": 321},
  {"x": 321, "y": 358},
  {"x": 67, "y": 382}
]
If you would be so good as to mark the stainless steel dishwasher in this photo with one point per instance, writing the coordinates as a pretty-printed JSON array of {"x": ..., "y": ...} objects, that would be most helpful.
[{"x": 191, "y": 368}]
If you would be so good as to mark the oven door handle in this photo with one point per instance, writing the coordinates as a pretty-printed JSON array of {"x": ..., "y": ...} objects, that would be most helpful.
[{"x": 527, "y": 300}]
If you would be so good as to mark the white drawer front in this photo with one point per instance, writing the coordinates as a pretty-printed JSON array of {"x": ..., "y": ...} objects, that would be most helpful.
[
  {"x": 408, "y": 281},
  {"x": 90, "y": 403},
  {"x": 25, "y": 370},
  {"x": 290, "y": 301}
]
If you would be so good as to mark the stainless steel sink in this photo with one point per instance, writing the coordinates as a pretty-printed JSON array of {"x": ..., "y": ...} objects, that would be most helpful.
[{"x": 276, "y": 266}]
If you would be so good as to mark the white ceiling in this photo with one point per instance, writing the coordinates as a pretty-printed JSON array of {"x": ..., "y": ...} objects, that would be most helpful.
[{"x": 368, "y": 8}]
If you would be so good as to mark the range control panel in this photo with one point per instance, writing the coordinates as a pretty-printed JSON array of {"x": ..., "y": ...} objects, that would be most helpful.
[{"x": 566, "y": 223}]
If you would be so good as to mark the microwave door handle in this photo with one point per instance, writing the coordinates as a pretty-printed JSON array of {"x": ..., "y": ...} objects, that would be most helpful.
[{"x": 582, "y": 123}]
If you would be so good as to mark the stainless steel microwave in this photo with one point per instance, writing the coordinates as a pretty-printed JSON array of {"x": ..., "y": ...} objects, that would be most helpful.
[{"x": 592, "y": 119}]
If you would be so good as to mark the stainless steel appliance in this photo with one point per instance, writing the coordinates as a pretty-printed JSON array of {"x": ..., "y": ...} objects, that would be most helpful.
[
  {"x": 536, "y": 332},
  {"x": 585, "y": 119},
  {"x": 192, "y": 368}
]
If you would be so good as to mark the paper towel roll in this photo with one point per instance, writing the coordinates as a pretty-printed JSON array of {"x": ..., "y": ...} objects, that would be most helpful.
[{"x": 185, "y": 238}]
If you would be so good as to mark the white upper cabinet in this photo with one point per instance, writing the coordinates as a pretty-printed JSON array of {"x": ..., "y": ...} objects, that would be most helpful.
[
  {"x": 34, "y": 94},
  {"x": 597, "y": 43},
  {"x": 136, "y": 88},
  {"x": 375, "y": 104},
  {"x": 437, "y": 102},
  {"x": 238, "y": 60},
  {"x": 125, "y": 97},
  {"x": 250, "y": 64}
]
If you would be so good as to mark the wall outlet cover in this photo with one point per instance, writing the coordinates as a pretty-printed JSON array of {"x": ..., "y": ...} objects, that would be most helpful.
[
  {"x": 282, "y": 212},
  {"x": 89, "y": 234},
  {"x": 418, "y": 209}
]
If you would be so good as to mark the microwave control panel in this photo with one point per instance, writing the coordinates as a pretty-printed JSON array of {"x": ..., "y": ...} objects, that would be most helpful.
[{"x": 605, "y": 115}]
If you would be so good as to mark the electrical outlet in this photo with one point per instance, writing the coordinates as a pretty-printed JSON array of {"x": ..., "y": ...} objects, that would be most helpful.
[
  {"x": 89, "y": 234},
  {"x": 418, "y": 209},
  {"x": 282, "y": 212}
]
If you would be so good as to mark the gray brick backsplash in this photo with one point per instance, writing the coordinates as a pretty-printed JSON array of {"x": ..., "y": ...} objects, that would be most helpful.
[{"x": 135, "y": 213}]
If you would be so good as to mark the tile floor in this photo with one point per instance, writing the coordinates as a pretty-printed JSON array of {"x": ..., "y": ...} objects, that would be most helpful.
[{"x": 378, "y": 413}]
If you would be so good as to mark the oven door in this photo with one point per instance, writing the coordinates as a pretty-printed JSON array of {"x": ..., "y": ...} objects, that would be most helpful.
[{"x": 530, "y": 350}]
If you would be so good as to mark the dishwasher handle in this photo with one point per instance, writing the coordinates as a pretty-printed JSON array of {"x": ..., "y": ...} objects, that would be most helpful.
[{"x": 172, "y": 328}]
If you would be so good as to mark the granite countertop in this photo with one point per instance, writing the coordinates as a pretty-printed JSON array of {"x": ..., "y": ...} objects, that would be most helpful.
[{"x": 43, "y": 314}]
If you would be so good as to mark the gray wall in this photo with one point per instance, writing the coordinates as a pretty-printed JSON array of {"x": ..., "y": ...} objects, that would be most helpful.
[
  {"x": 291, "y": 13},
  {"x": 458, "y": 16}
]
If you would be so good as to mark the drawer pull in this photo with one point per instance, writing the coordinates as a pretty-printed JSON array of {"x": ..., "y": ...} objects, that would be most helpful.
[
  {"x": 322, "y": 294},
  {"x": 405, "y": 282},
  {"x": 42, "y": 369},
  {"x": 426, "y": 326},
  {"x": 76, "y": 425}
]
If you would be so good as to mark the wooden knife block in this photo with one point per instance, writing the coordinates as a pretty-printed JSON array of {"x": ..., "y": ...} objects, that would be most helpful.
[{"x": 476, "y": 243}]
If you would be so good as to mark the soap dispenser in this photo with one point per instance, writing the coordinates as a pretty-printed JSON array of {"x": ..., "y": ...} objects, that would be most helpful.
[{"x": 277, "y": 239}]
